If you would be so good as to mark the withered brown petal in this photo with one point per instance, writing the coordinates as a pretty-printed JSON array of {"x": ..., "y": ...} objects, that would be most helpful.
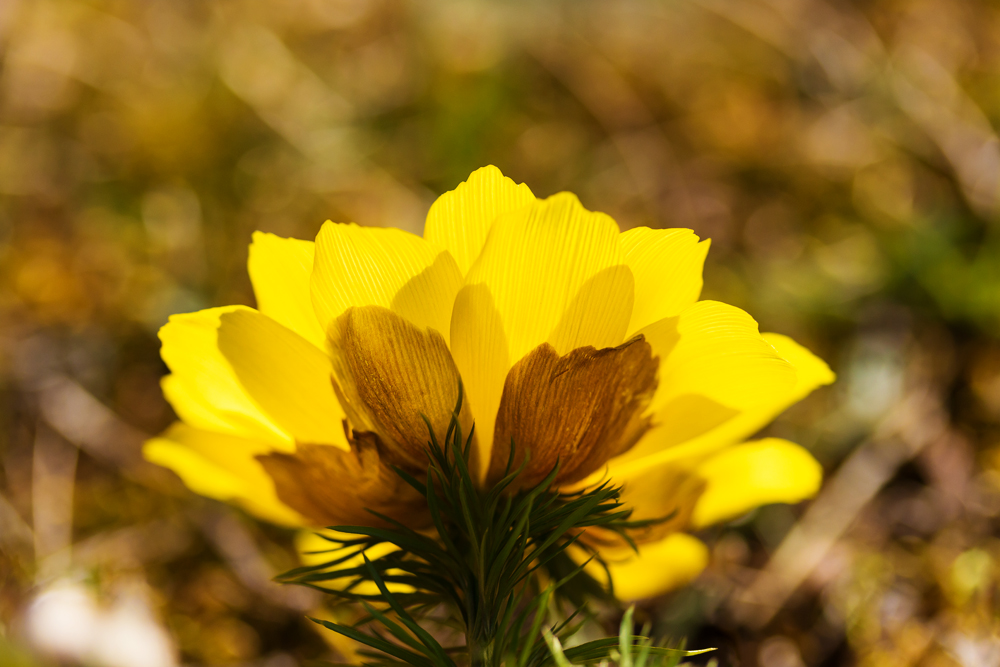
[
  {"x": 387, "y": 373},
  {"x": 580, "y": 409},
  {"x": 332, "y": 487}
]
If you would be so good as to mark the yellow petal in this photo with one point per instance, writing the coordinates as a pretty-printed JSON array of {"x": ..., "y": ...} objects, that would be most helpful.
[
  {"x": 388, "y": 374},
  {"x": 204, "y": 389},
  {"x": 280, "y": 270},
  {"x": 314, "y": 549},
  {"x": 719, "y": 353},
  {"x": 711, "y": 427},
  {"x": 196, "y": 410},
  {"x": 660, "y": 492},
  {"x": 692, "y": 427},
  {"x": 479, "y": 348},
  {"x": 286, "y": 375},
  {"x": 549, "y": 272},
  {"x": 810, "y": 370},
  {"x": 665, "y": 494},
  {"x": 667, "y": 266},
  {"x": 596, "y": 315},
  {"x": 223, "y": 467},
  {"x": 687, "y": 418},
  {"x": 536, "y": 263},
  {"x": 746, "y": 476},
  {"x": 366, "y": 266},
  {"x": 657, "y": 568},
  {"x": 714, "y": 364},
  {"x": 460, "y": 220}
]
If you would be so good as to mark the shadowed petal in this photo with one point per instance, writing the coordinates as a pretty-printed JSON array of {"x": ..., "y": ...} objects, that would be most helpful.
[
  {"x": 665, "y": 495},
  {"x": 388, "y": 372},
  {"x": 314, "y": 549},
  {"x": 657, "y": 568},
  {"x": 580, "y": 409},
  {"x": 332, "y": 487}
]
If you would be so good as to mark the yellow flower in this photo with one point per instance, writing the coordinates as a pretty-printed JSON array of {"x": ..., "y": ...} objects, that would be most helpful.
[{"x": 572, "y": 340}]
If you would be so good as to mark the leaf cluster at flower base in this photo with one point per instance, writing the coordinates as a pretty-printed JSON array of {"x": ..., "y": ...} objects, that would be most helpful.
[{"x": 492, "y": 566}]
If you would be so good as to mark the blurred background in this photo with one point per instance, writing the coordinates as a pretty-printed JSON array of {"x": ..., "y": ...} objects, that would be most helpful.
[{"x": 841, "y": 155}]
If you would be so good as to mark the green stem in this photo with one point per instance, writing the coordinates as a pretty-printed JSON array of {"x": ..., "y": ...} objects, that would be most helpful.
[{"x": 481, "y": 653}]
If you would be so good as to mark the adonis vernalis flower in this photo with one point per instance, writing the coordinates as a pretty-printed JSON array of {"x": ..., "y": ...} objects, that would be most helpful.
[{"x": 574, "y": 342}]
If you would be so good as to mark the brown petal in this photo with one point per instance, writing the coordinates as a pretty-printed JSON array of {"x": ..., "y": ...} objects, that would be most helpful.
[
  {"x": 580, "y": 409},
  {"x": 387, "y": 373},
  {"x": 331, "y": 487}
]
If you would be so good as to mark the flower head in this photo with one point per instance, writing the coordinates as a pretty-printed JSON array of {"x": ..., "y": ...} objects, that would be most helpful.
[{"x": 574, "y": 342}]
